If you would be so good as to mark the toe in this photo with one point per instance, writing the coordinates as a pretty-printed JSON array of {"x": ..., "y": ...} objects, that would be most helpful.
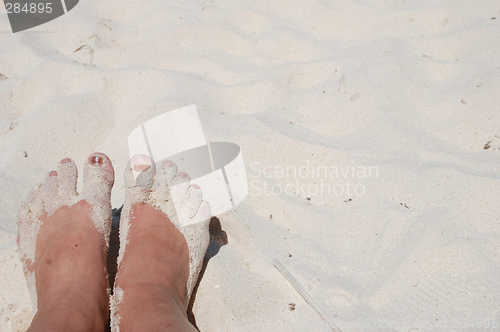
[
  {"x": 67, "y": 174},
  {"x": 50, "y": 192},
  {"x": 31, "y": 208},
  {"x": 179, "y": 189},
  {"x": 35, "y": 202},
  {"x": 139, "y": 176},
  {"x": 140, "y": 172},
  {"x": 193, "y": 201},
  {"x": 165, "y": 175},
  {"x": 204, "y": 214},
  {"x": 98, "y": 177},
  {"x": 28, "y": 224}
]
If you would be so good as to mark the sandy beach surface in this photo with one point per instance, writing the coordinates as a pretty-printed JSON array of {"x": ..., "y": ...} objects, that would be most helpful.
[{"x": 370, "y": 131}]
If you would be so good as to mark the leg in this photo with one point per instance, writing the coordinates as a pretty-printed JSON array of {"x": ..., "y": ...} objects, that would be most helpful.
[
  {"x": 159, "y": 259},
  {"x": 63, "y": 242}
]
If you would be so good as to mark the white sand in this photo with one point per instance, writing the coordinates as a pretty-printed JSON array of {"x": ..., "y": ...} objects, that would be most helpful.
[{"x": 409, "y": 87}]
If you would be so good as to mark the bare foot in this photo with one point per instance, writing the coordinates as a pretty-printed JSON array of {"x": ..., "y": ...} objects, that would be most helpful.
[
  {"x": 63, "y": 239},
  {"x": 161, "y": 251}
]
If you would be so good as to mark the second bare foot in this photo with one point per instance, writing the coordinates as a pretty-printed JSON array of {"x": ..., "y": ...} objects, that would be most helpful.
[{"x": 159, "y": 259}]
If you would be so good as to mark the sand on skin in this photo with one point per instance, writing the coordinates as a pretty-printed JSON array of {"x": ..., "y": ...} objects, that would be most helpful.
[{"x": 408, "y": 87}]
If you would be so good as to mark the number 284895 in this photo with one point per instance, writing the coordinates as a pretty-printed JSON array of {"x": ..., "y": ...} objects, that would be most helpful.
[{"x": 32, "y": 8}]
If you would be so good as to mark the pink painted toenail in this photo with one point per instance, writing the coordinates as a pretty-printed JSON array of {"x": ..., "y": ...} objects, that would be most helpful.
[
  {"x": 168, "y": 163},
  {"x": 183, "y": 175},
  {"x": 140, "y": 162},
  {"x": 195, "y": 186},
  {"x": 66, "y": 161},
  {"x": 53, "y": 173},
  {"x": 141, "y": 168},
  {"x": 96, "y": 160}
]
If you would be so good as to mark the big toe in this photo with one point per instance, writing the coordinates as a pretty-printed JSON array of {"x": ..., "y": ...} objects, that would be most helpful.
[
  {"x": 99, "y": 177},
  {"x": 139, "y": 178}
]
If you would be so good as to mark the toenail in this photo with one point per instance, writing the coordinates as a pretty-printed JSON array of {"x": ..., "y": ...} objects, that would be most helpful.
[
  {"x": 141, "y": 168},
  {"x": 140, "y": 162},
  {"x": 96, "y": 161},
  {"x": 195, "y": 186},
  {"x": 53, "y": 173},
  {"x": 168, "y": 163},
  {"x": 183, "y": 175},
  {"x": 66, "y": 161}
]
